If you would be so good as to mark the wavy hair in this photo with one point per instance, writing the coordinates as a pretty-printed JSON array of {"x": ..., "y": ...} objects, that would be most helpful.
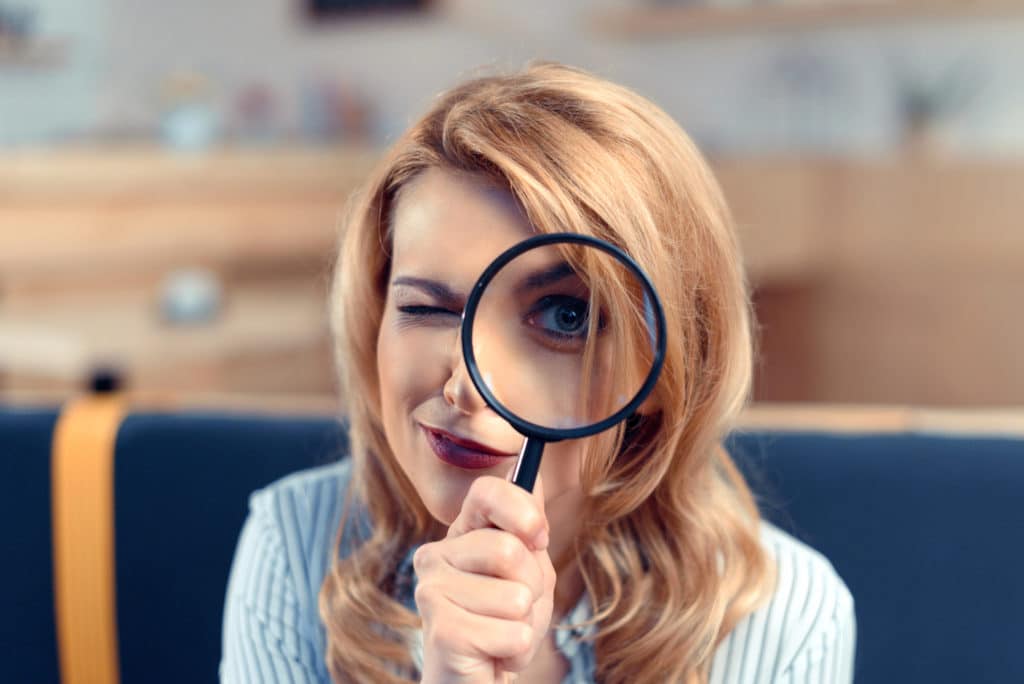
[{"x": 670, "y": 552}]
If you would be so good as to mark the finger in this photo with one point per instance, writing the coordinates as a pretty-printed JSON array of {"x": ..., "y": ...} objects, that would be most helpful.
[
  {"x": 547, "y": 570},
  {"x": 466, "y": 633},
  {"x": 538, "y": 495},
  {"x": 496, "y": 553},
  {"x": 540, "y": 627},
  {"x": 540, "y": 622},
  {"x": 489, "y": 596},
  {"x": 493, "y": 502}
]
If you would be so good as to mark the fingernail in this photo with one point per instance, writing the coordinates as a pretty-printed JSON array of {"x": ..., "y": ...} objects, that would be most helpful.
[{"x": 541, "y": 540}]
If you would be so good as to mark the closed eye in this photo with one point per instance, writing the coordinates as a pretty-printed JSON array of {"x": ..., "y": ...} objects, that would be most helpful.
[{"x": 422, "y": 311}]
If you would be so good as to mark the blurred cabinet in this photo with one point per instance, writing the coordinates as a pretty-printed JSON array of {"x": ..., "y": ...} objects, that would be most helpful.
[
  {"x": 90, "y": 237},
  {"x": 911, "y": 286},
  {"x": 896, "y": 281},
  {"x": 648, "y": 20}
]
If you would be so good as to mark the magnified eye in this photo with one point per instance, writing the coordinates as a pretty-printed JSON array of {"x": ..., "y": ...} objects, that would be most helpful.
[{"x": 560, "y": 317}]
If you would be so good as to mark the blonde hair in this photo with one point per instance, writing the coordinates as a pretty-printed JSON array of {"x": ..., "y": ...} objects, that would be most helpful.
[{"x": 670, "y": 552}]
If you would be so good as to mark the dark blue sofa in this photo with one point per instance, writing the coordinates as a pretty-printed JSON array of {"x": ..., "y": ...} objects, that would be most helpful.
[{"x": 926, "y": 529}]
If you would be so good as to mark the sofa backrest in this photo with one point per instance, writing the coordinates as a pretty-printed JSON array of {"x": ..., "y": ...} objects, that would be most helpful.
[
  {"x": 181, "y": 488},
  {"x": 924, "y": 528}
]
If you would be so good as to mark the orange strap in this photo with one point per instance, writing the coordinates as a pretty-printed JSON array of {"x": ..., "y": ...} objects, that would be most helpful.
[{"x": 83, "y": 539}]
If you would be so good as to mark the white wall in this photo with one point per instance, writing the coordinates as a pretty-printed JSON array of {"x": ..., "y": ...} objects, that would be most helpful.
[
  {"x": 728, "y": 90},
  {"x": 42, "y": 103}
]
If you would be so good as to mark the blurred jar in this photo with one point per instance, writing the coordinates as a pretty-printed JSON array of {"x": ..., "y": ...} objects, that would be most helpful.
[
  {"x": 189, "y": 121},
  {"x": 191, "y": 296}
]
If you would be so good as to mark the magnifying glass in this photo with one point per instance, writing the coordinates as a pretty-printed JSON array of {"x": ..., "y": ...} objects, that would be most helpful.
[{"x": 563, "y": 336}]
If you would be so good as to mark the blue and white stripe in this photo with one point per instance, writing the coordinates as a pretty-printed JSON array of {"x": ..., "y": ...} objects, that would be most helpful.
[{"x": 272, "y": 631}]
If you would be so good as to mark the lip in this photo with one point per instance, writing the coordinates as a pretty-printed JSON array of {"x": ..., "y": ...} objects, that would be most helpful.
[{"x": 461, "y": 452}]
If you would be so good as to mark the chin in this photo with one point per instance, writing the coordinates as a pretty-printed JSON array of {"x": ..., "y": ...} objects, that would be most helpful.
[
  {"x": 442, "y": 488},
  {"x": 444, "y": 500}
]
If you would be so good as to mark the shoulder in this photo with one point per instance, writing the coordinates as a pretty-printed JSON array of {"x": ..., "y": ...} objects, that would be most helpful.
[
  {"x": 303, "y": 511},
  {"x": 805, "y": 631},
  {"x": 314, "y": 490},
  {"x": 283, "y": 553},
  {"x": 312, "y": 482}
]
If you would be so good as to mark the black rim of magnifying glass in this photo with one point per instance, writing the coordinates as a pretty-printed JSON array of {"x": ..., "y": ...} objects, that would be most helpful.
[{"x": 525, "y": 427}]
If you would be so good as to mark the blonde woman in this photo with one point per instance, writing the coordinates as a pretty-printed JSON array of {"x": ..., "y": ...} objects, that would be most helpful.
[{"x": 640, "y": 555}]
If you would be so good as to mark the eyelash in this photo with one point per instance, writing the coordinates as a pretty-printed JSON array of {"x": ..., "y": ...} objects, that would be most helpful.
[{"x": 419, "y": 310}]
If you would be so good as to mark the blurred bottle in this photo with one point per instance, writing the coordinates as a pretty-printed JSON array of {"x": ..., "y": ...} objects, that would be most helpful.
[
  {"x": 189, "y": 121},
  {"x": 17, "y": 24},
  {"x": 335, "y": 110},
  {"x": 256, "y": 114}
]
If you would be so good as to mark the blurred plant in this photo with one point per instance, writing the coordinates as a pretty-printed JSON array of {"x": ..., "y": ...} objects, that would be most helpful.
[
  {"x": 799, "y": 93},
  {"x": 17, "y": 22},
  {"x": 926, "y": 101}
]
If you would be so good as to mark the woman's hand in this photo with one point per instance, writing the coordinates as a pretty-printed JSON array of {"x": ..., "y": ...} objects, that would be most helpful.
[{"x": 485, "y": 592}]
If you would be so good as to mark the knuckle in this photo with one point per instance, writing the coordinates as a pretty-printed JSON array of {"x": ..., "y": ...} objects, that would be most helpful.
[
  {"x": 522, "y": 601},
  {"x": 533, "y": 521},
  {"x": 521, "y": 640},
  {"x": 515, "y": 664},
  {"x": 425, "y": 557},
  {"x": 548, "y": 571},
  {"x": 482, "y": 489},
  {"x": 425, "y": 597},
  {"x": 444, "y": 638},
  {"x": 479, "y": 502},
  {"x": 507, "y": 551}
]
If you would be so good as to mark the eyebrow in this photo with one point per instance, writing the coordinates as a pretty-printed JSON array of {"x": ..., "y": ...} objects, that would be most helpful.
[
  {"x": 439, "y": 291},
  {"x": 546, "y": 277}
]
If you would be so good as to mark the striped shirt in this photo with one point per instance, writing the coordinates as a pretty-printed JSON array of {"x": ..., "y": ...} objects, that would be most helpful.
[{"x": 272, "y": 631}]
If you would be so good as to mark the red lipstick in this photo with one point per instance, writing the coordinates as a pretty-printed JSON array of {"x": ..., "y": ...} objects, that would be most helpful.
[{"x": 463, "y": 453}]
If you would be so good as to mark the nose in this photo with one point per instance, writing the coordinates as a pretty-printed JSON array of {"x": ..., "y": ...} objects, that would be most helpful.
[{"x": 459, "y": 390}]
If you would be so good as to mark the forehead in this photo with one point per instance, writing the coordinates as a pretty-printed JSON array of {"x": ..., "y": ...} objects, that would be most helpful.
[{"x": 452, "y": 225}]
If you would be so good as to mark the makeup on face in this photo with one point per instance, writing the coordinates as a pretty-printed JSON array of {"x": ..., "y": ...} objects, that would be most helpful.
[
  {"x": 446, "y": 229},
  {"x": 462, "y": 452}
]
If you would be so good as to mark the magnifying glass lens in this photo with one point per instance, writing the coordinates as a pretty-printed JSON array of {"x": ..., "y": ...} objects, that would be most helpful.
[{"x": 564, "y": 335}]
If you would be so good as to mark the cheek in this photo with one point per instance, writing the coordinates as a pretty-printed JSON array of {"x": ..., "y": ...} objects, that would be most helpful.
[
  {"x": 408, "y": 371},
  {"x": 397, "y": 380}
]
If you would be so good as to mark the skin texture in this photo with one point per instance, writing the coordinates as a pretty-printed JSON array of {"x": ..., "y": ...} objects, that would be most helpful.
[{"x": 487, "y": 591}]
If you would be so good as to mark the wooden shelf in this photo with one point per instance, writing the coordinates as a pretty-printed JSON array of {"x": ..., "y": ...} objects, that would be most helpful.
[
  {"x": 870, "y": 274},
  {"x": 802, "y": 15},
  {"x": 132, "y": 211},
  {"x": 32, "y": 53}
]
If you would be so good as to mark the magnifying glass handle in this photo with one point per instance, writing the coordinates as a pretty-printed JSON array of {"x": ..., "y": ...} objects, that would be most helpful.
[{"x": 525, "y": 473}]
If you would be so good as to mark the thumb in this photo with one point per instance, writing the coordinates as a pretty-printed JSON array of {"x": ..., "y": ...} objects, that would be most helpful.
[{"x": 538, "y": 493}]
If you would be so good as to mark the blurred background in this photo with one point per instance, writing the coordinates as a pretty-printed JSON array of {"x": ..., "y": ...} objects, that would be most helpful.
[{"x": 172, "y": 174}]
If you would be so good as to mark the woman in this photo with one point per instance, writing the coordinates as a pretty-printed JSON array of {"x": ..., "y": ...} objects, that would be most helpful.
[{"x": 640, "y": 556}]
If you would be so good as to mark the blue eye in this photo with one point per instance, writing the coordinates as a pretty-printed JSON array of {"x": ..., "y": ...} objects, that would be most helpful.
[{"x": 561, "y": 316}]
